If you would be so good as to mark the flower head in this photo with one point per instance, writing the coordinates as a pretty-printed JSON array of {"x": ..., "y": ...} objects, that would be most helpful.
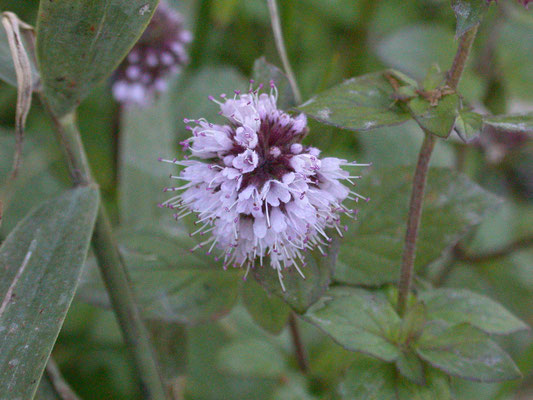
[
  {"x": 159, "y": 53},
  {"x": 256, "y": 189}
]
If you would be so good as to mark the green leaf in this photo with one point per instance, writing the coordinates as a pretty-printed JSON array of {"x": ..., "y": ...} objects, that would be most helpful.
[
  {"x": 264, "y": 72},
  {"x": 300, "y": 293},
  {"x": 458, "y": 305},
  {"x": 511, "y": 123},
  {"x": 437, "y": 119},
  {"x": 369, "y": 379},
  {"x": 411, "y": 367},
  {"x": 172, "y": 284},
  {"x": 464, "y": 351},
  {"x": 360, "y": 104},
  {"x": 358, "y": 320},
  {"x": 371, "y": 252},
  {"x": 267, "y": 310},
  {"x": 468, "y": 125},
  {"x": 252, "y": 358},
  {"x": 40, "y": 265},
  {"x": 469, "y": 13},
  {"x": 79, "y": 43},
  {"x": 437, "y": 387}
]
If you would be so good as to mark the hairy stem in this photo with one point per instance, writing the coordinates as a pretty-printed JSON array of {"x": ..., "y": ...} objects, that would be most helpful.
[
  {"x": 280, "y": 45},
  {"x": 420, "y": 178},
  {"x": 59, "y": 383},
  {"x": 413, "y": 221},
  {"x": 112, "y": 268},
  {"x": 461, "y": 56},
  {"x": 299, "y": 349}
]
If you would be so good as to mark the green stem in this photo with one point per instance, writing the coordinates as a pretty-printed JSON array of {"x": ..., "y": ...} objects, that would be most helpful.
[
  {"x": 420, "y": 178},
  {"x": 112, "y": 268},
  {"x": 72, "y": 146},
  {"x": 280, "y": 45}
]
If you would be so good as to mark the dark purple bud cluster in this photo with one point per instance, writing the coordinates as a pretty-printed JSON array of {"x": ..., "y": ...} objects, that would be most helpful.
[{"x": 158, "y": 54}]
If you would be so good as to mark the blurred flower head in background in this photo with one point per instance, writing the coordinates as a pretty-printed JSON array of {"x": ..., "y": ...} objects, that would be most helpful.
[
  {"x": 159, "y": 54},
  {"x": 257, "y": 189}
]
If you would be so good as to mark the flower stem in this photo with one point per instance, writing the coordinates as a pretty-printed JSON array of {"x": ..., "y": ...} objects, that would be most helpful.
[
  {"x": 280, "y": 45},
  {"x": 461, "y": 56},
  {"x": 413, "y": 222},
  {"x": 420, "y": 178},
  {"x": 112, "y": 268},
  {"x": 299, "y": 349}
]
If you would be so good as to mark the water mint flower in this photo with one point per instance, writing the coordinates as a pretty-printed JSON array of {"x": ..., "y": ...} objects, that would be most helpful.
[
  {"x": 158, "y": 54},
  {"x": 256, "y": 189}
]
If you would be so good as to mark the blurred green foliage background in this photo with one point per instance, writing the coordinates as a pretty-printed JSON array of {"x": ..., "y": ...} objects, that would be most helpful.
[{"x": 328, "y": 41}]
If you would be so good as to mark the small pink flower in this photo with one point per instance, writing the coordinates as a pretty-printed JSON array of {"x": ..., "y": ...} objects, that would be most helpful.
[{"x": 256, "y": 189}]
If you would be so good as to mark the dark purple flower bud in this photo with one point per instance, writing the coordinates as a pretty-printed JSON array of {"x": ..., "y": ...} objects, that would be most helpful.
[{"x": 159, "y": 53}]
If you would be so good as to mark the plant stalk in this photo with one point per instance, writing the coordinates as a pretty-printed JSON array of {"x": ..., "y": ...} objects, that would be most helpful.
[
  {"x": 280, "y": 45},
  {"x": 112, "y": 268},
  {"x": 299, "y": 349},
  {"x": 461, "y": 56},
  {"x": 413, "y": 222},
  {"x": 420, "y": 178}
]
